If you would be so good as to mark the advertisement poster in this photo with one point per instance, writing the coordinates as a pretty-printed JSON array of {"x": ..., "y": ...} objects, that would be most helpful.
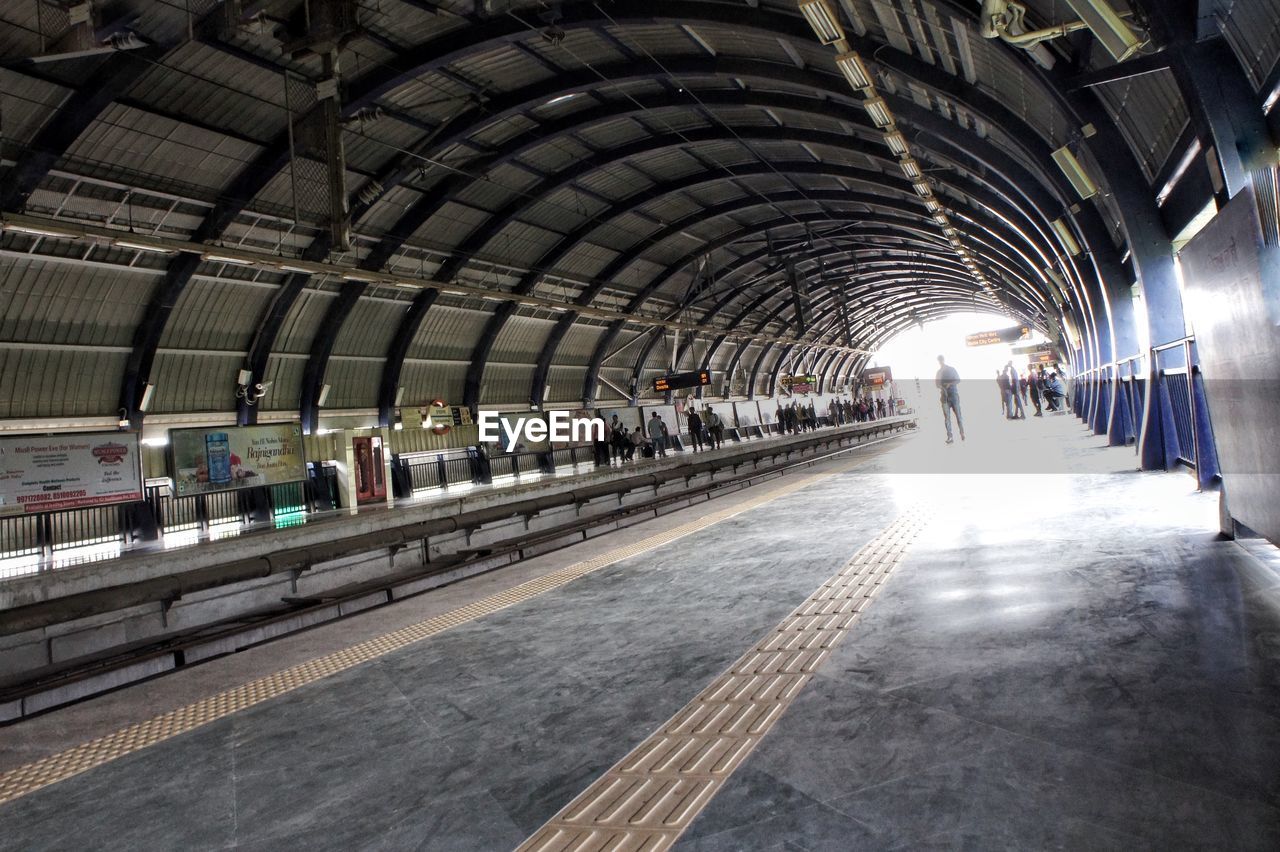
[
  {"x": 227, "y": 457},
  {"x": 49, "y": 473}
]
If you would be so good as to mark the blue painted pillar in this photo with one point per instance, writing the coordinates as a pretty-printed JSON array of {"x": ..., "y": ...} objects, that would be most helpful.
[
  {"x": 1160, "y": 448},
  {"x": 1208, "y": 473},
  {"x": 1120, "y": 430},
  {"x": 1102, "y": 404}
]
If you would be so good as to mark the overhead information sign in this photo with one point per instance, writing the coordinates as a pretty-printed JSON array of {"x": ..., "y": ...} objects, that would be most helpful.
[
  {"x": 877, "y": 376},
  {"x": 49, "y": 473},
  {"x": 229, "y": 457},
  {"x": 1042, "y": 358},
  {"x": 1033, "y": 348},
  {"x": 680, "y": 381},
  {"x": 1004, "y": 335}
]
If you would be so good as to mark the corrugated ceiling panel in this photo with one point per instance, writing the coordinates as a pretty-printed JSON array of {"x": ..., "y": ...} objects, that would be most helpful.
[
  {"x": 352, "y": 383},
  {"x": 28, "y": 103},
  {"x": 566, "y": 384},
  {"x": 62, "y": 303},
  {"x": 369, "y": 328},
  {"x": 578, "y": 344},
  {"x": 67, "y": 383},
  {"x": 521, "y": 339},
  {"x": 389, "y": 210},
  {"x": 1150, "y": 113},
  {"x": 285, "y": 375},
  {"x": 449, "y": 333},
  {"x": 1253, "y": 29},
  {"x": 216, "y": 315},
  {"x": 433, "y": 381},
  {"x": 303, "y": 320},
  {"x": 194, "y": 382},
  {"x": 223, "y": 91},
  {"x": 506, "y": 385}
]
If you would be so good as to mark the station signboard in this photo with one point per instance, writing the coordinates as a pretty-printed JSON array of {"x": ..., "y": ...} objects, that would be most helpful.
[
  {"x": 1004, "y": 335},
  {"x": 680, "y": 381},
  {"x": 1042, "y": 358},
  {"x": 877, "y": 377},
  {"x": 224, "y": 458},
  {"x": 799, "y": 384},
  {"x": 49, "y": 473}
]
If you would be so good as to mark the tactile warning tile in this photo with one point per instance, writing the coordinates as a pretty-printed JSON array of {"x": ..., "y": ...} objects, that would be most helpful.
[
  {"x": 652, "y": 795},
  {"x": 57, "y": 767}
]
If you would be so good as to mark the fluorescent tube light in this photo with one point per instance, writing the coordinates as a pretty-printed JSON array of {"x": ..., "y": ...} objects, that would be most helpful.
[
  {"x": 822, "y": 18},
  {"x": 1075, "y": 173},
  {"x": 854, "y": 70}
]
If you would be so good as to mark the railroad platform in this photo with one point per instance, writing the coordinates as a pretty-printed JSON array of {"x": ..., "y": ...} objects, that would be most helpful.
[{"x": 893, "y": 649}]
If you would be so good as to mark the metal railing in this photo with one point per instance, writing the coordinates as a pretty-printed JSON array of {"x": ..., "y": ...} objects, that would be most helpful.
[
  {"x": 37, "y": 539},
  {"x": 1114, "y": 399}
]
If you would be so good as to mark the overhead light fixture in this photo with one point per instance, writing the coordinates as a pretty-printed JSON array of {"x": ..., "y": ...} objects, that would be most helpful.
[
  {"x": 125, "y": 244},
  {"x": 356, "y": 276},
  {"x": 244, "y": 377},
  {"x": 923, "y": 189},
  {"x": 942, "y": 220},
  {"x": 298, "y": 270},
  {"x": 222, "y": 258},
  {"x": 31, "y": 232},
  {"x": 399, "y": 395},
  {"x": 559, "y": 99},
  {"x": 822, "y": 18},
  {"x": 911, "y": 169},
  {"x": 854, "y": 70},
  {"x": 1112, "y": 31},
  {"x": 1068, "y": 239},
  {"x": 148, "y": 392},
  {"x": 879, "y": 112},
  {"x": 323, "y": 396},
  {"x": 933, "y": 206},
  {"x": 897, "y": 143},
  {"x": 1084, "y": 185}
]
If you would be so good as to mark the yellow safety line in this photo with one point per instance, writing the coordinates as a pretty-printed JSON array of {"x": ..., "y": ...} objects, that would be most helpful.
[
  {"x": 58, "y": 767},
  {"x": 652, "y": 795}
]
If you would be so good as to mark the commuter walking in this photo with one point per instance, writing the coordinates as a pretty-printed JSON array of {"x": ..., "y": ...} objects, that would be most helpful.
[
  {"x": 948, "y": 383},
  {"x": 658, "y": 434},
  {"x": 695, "y": 429}
]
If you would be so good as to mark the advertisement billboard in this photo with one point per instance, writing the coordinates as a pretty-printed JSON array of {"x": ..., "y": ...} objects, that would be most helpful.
[
  {"x": 224, "y": 458},
  {"x": 50, "y": 473}
]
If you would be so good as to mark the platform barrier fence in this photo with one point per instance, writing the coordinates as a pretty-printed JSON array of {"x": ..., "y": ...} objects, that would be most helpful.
[{"x": 43, "y": 541}]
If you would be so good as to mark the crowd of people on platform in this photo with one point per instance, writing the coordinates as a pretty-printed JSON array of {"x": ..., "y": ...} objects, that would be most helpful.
[
  {"x": 1042, "y": 389},
  {"x": 706, "y": 428}
]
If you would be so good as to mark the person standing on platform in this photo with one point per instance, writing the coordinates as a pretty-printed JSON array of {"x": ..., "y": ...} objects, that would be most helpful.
[
  {"x": 695, "y": 430},
  {"x": 948, "y": 383},
  {"x": 658, "y": 434},
  {"x": 715, "y": 427},
  {"x": 1002, "y": 382},
  {"x": 1035, "y": 383},
  {"x": 1016, "y": 411}
]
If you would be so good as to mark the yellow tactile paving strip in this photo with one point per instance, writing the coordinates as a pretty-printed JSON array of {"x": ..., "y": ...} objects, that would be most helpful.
[
  {"x": 652, "y": 795},
  {"x": 58, "y": 767}
]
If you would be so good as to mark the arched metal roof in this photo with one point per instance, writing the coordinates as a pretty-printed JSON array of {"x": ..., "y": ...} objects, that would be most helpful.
[{"x": 536, "y": 192}]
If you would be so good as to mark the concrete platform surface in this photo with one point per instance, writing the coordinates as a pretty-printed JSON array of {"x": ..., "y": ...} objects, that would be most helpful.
[{"x": 1059, "y": 660}]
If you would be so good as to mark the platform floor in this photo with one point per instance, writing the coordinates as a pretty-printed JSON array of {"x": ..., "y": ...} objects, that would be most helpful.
[{"x": 1057, "y": 660}]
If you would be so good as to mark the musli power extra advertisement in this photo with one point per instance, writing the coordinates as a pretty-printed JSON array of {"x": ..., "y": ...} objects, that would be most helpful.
[{"x": 51, "y": 473}]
